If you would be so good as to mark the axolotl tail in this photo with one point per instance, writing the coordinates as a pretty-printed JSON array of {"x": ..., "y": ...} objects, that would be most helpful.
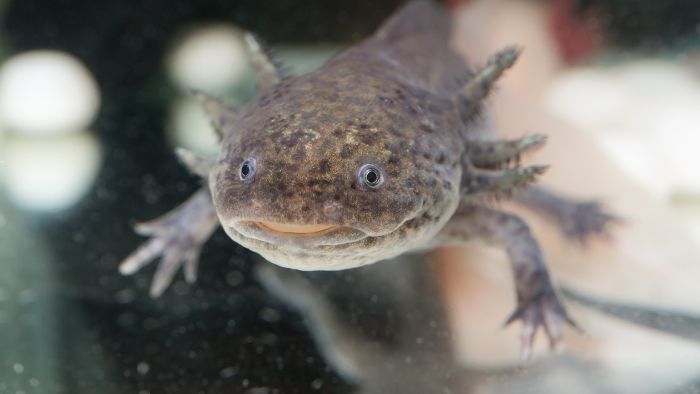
[{"x": 417, "y": 37}]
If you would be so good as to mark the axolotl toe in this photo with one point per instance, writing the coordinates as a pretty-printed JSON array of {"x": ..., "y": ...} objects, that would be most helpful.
[{"x": 379, "y": 152}]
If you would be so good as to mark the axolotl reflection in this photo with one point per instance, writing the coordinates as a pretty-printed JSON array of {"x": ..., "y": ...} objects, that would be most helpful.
[{"x": 377, "y": 153}]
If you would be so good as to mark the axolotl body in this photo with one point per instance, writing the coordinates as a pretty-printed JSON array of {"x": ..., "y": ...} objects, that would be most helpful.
[{"x": 379, "y": 152}]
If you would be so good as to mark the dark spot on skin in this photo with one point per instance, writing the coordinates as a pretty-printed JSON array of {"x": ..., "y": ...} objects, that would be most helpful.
[
  {"x": 324, "y": 166},
  {"x": 394, "y": 132},
  {"x": 318, "y": 182},
  {"x": 338, "y": 133},
  {"x": 346, "y": 151},
  {"x": 426, "y": 129},
  {"x": 367, "y": 138},
  {"x": 364, "y": 126},
  {"x": 298, "y": 154},
  {"x": 275, "y": 135},
  {"x": 394, "y": 160},
  {"x": 370, "y": 241},
  {"x": 326, "y": 147},
  {"x": 441, "y": 159},
  {"x": 288, "y": 142},
  {"x": 427, "y": 156},
  {"x": 336, "y": 197},
  {"x": 447, "y": 185}
]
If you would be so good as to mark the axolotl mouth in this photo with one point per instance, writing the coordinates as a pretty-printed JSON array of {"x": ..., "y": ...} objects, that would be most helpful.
[
  {"x": 312, "y": 246},
  {"x": 301, "y": 236}
]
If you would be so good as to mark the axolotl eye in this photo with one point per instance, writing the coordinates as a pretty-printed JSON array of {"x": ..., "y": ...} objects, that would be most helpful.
[
  {"x": 371, "y": 176},
  {"x": 247, "y": 169}
]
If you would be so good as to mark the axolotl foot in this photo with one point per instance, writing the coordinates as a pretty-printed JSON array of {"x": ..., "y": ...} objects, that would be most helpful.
[
  {"x": 538, "y": 304},
  {"x": 578, "y": 220},
  {"x": 584, "y": 219},
  {"x": 178, "y": 237},
  {"x": 545, "y": 311}
]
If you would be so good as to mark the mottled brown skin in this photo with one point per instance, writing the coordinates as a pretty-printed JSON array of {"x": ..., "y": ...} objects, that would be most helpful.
[
  {"x": 359, "y": 108},
  {"x": 400, "y": 101}
]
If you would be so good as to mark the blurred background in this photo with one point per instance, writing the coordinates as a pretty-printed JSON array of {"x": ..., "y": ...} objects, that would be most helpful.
[{"x": 94, "y": 96}]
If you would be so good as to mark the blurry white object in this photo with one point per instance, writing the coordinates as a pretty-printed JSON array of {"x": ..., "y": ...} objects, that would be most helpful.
[
  {"x": 645, "y": 113},
  {"x": 46, "y": 92},
  {"x": 189, "y": 127},
  {"x": 46, "y": 174},
  {"x": 212, "y": 58}
]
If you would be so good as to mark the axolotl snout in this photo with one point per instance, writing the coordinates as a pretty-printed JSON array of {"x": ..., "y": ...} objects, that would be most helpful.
[{"x": 379, "y": 152}]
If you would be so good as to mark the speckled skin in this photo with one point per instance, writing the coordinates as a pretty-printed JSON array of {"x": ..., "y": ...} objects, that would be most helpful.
[
  {"x": 403, "y": 102},
  {"x": 364, "y": 106}
]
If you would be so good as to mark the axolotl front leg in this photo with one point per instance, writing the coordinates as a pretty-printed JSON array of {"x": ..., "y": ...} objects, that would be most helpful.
[
  {"x": 537, "y": 302},
  {"x": 178, "y": 235}
]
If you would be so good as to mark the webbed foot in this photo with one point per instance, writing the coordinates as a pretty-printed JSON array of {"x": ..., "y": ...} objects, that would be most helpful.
[
  {"x": 545, "y": 311},
  {"x": 582, "y": 220},
  {"x": 578, "y": 220},
  {"x": 178, "y": 237}
]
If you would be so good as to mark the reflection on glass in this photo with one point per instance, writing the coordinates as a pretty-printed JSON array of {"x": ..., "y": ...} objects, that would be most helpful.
[
  {"x": 45, "y": 92},
  {"x": 50, "y": 173}
]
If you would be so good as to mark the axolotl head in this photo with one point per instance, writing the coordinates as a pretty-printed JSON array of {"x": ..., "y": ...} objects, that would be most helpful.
[{"x": 317, "y": 175}]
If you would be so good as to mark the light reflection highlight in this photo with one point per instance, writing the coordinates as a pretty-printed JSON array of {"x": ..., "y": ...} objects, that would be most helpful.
[
  {"x": 48, "y": 174},
  {"x": 46, "y": 92}
]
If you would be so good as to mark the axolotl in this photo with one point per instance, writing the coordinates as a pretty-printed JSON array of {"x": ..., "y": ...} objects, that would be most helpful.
[{"x": 379, "y": 152}]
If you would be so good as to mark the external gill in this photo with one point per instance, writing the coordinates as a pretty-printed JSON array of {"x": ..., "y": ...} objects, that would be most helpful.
[
  {"x": 498, "y": 154},
  {"x": 480, "y": 85},
  {"x": 268, "y": 71},
  {"x": 219, "y": 114},
  {"x": 498, "y": 183},
  {"x": 197, "y": 164}
]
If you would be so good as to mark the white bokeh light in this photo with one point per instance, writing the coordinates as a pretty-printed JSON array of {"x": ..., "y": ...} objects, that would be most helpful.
[
  {"x": 46, "y": 92},
  {"x": 644, "y": 113},
  {"x": 211, "y": 58},
  {"x": 49, "y": 173},
  {"x": 190, "y": 128}
]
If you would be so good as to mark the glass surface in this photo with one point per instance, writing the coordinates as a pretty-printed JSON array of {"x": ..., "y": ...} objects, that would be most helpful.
[{"x": 96, "y": 98}]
